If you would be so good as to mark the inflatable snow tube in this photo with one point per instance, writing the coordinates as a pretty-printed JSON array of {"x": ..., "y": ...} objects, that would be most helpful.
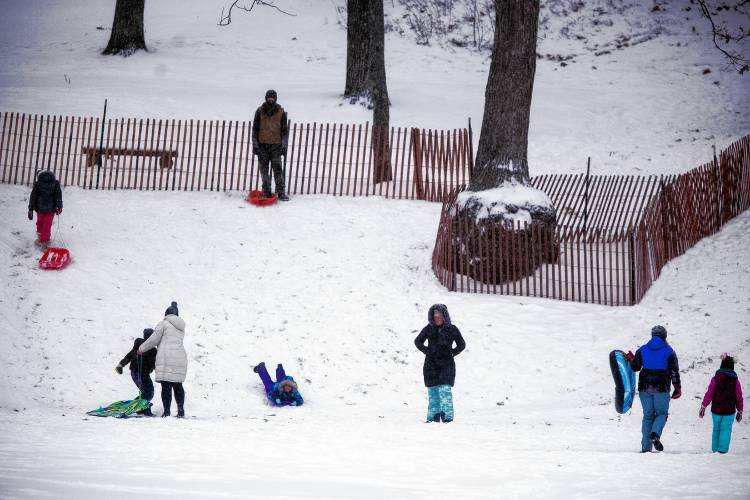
[{"x": 624, "y": 377}]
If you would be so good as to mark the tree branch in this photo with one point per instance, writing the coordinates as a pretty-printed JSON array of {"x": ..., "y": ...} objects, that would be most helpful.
[
  {"x": 226, "y": 20},
  {"x": 735, "y": 59}
]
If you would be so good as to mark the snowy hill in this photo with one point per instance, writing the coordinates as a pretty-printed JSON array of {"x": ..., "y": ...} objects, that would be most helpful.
[{"x": 338, "y": 288}]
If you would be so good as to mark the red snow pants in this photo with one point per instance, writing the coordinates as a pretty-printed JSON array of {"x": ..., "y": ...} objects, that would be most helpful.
[{"x": 44, "y": 225}]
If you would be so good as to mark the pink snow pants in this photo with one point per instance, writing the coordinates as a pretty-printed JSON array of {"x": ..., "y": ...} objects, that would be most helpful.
[{"x": 44, "y": 225}]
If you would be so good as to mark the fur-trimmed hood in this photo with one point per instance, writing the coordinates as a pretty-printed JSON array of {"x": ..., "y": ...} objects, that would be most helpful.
[
  {"x": 443, "y": 309},
  {"x": 287, "y": 382}
]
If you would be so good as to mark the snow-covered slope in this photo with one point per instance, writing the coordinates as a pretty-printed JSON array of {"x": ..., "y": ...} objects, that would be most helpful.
[
  {"x": 337, "y": 289},
  {"x": 643, "y": 108}
]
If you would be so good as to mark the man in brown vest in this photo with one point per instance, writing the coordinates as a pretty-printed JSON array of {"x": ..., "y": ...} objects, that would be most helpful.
[{"x": 270, "y": 139}]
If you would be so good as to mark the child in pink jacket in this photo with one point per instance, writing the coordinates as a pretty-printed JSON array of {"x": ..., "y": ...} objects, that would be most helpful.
[{"x": 724, "y": 394}]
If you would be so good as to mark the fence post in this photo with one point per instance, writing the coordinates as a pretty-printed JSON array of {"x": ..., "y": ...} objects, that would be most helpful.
[
  {"x": 586, "y": 198},
  {"x": 631, "y": 259},
  {"x": 101, "y": 145}
]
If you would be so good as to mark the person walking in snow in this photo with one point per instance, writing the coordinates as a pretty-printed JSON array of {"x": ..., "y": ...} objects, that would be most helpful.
[
  {"x": 171, "y": 358},
  {"x": 270, "y": 139},
  {"x": 141, "y": 368},
  {"x": 46, "y": 200},
  {"x": 724, "y": 394},
  {"x": 439, "y": 368},
  {"x": 657, "y": 363},
  {"x": 284, "y": 391}
]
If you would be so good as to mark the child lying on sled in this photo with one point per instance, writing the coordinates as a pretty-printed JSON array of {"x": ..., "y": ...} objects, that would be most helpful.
[{"x": 284, "y": 391}]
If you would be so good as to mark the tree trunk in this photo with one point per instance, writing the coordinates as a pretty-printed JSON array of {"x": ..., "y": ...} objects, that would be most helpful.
[
  {"x": 379, "y": 92},
  {"x": 503, "y": 141},
  {"x": 127, "y": 28},
  {"x": 357, "y": 48}
]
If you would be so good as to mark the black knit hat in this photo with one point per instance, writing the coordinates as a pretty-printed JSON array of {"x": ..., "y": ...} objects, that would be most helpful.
[
  {"x": 659, "y": 331},
  {"x": 271, "y": 93},
  {"x": 172, "y": 309},
  {"x": 727, "y": 362},
  {"x": 147, "y": 332}
]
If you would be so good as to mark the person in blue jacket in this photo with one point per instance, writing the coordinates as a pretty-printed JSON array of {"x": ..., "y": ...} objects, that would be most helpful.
[
  {"x": 657, "y": 363},
  {"x": 284, "y": 391}
]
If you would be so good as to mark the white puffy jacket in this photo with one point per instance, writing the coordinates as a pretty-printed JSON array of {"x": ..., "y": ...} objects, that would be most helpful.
[{"x": 171, "y": 358}]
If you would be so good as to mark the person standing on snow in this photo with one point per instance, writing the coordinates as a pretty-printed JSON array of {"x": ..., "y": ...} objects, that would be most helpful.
[
  {"x": 171, "y": 358},
  {"x": 284, "y": 391},
  {"x": 270, "y": 139},
  {"x": 46, "y": 200},
  {"x": 439, "y": 368},
  {"x": 141, "y": 368},
  {"x": 657, "y": 363},
  {"x": 724, "y": 394}
]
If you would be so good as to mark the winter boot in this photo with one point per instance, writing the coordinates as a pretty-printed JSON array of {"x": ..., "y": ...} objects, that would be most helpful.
[
  {"x": 257, "y": 367},
  {"x": 180, "y": 412},
  {"x": 445, "y": 418},
  {"x": 267, "y": 194},
  {"x": 165, "y": 414},
  {"x": 655, "y": 440},
  {"x": 283, "y": 196}
]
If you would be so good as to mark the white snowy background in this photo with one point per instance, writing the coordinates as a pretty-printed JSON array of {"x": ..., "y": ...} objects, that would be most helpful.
[{"x": 337, "y": 288}]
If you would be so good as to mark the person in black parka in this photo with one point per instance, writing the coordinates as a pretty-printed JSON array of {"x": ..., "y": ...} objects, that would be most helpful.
[
  {"x": 46, "y": 200},
  {"x": 439, "y": 367},
  {"x": 141, "y": 368}
]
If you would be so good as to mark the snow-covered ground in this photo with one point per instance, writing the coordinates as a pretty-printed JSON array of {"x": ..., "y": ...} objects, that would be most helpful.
[
  {"x": 337, "y": 289},
  {"x": 646, "y": 108}
]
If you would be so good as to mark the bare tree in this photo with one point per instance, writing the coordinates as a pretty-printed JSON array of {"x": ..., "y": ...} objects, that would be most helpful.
[
  {"x": 503, "y": 141},
  {"x": 226, "y": 19},
  {"x": 357, "y": 48},
  {"x": 729, "y": 31},
  {"x": 127, "y": 28}
]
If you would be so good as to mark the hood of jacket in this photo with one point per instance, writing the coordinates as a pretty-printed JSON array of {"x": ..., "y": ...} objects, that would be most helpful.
[
  {"x": 176, "y": 321},
  {"x": 443, "y": 309},
  {"x": 287, "y": 382},
  {"x": 656, "y": 343},
  {"x": 729, "y": 373}
]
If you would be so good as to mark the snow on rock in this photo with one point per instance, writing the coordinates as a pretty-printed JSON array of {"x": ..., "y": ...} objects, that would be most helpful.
[{"x": 512, "y": 202}]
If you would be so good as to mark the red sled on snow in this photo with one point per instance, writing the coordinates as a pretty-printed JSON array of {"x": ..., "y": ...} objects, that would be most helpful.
[
  {"x": 55, "y": 258},
  {"x": 256, "y": 198}
]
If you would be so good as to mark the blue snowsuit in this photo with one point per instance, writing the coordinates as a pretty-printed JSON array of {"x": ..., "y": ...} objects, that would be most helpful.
[{"x": 275, "y": 390}]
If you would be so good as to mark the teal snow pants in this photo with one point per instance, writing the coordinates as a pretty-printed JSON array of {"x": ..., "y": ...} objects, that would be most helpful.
[
  {"x": 439, "y": 403},
  {"x": 722, "y": 432}
]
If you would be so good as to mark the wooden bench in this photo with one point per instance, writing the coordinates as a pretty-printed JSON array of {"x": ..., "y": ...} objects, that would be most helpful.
[{"x": 166, "y": 158}]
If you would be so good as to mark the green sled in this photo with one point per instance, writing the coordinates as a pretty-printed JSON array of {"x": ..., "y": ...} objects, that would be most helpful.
[{"x": 121, "y": 409}]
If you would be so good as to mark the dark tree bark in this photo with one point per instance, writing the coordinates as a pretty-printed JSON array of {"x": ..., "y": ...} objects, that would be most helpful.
[
  {"x": 357, "y": 48},
  {"x": 127, "y": 28},
  {"x": 378, "y": 90},
  {"x": 503, "y": 141}
]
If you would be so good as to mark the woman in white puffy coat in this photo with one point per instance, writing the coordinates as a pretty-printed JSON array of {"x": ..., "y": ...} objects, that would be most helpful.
[{"x": 171, "y": 358}]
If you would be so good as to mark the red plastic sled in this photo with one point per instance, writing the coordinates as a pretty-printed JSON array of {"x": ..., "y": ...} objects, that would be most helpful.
[
  {"x": 256, "y": 198},
  {"x": 55, "y": 258}
]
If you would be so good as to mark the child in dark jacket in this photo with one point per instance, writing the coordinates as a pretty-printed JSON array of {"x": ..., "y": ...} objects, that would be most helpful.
[
  {"x": 46, "y": 200},
  {"x": 284, "y": 391},
  {"x": 724, "y": 394},
  {"x": 141, "y": 368}
]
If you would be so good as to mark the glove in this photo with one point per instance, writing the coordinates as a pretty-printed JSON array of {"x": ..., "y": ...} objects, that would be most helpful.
[
  {"x": 294, "y": 403},
  {"x": 278, "y": 401},
  {"x": 118, "y": 369},
  {"x": 702, "y": 413},
  {"x": 283, "y": 152},
  {"x": 739, "y": 417},
  {"x": 629, "y": 356},
  {"x": 255, "y": 149},
  {"x": 677, "y": 392},
  {"x": 31, "y": 215},
  {"x": 59, "y": 211}
]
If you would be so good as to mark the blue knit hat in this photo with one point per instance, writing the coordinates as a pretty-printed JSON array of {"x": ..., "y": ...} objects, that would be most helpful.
[{"x": 172, "y": 309}]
